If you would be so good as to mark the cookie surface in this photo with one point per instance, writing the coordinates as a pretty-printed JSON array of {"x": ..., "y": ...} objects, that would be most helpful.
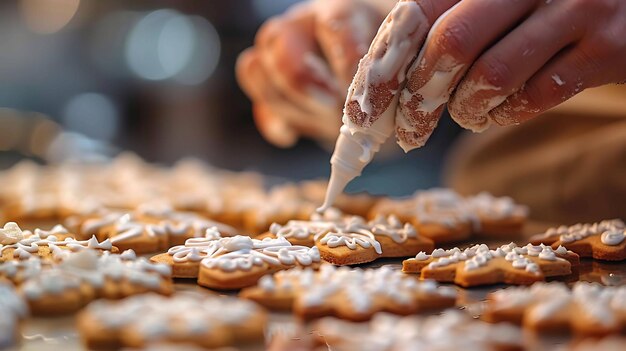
[
  {"x": 352, "y": 294},
  {"x": 185, "y": 259},
  {"x": 604, "y": 240},
  {"x": 452, "y": 330},
  {"x": 59, "y": 288},
  {"x": 445, "y": 216},
  {"x": 22, "y": 245},
  {"x": 240, "y": 261},
  {"x": 185, "y": 318},
  {"x": 478, "y": 265},
  {"x": 146, "y": 230},
  {"x": 588, "y": 309}
]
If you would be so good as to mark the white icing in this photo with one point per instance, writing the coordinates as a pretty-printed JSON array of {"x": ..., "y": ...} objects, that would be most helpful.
[
  {"x": 243, "y": 253},
  {"x": 444, "y": 207},
  {"x": 601, "y": 305},
  {"x": 359, "y": 287},
  {"x": 452, "y": 330},
  {"x": 354, "y": 232},
  {"x": 557, "y": 79},
  {"x": 29, "y": 244},
  {"x": 85, "y": 266},
  {"x": 10, "y": 234},
  {"x": 581, "y": 231},
  {"x": 480, "y": 255},
  {"x": 613, "y": 237},
  {"x": 486, "y": 205},
  {"x": 183, "y": 316}
]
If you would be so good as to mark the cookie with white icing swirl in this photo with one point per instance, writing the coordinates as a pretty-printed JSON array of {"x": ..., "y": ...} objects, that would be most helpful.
[
  {"x": 479, "y": 265},
  {"x": 605, "y": 240}
]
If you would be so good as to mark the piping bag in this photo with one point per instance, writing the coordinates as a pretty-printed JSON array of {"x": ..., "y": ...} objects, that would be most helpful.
[{"x": 378, "y": 81}]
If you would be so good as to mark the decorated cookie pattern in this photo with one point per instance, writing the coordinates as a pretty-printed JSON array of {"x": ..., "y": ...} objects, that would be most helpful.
[
  {"x": 352, "y": 294},
  {"x": 479, "y": 265}
]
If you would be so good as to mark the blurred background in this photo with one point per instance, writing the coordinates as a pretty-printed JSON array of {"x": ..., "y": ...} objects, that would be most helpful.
[{"x": 86, "y": 79}]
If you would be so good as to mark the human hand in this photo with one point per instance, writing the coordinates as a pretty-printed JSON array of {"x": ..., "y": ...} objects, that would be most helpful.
[
  {"x": 301, "y": 64},
  {"x": 508, "y": 61}
]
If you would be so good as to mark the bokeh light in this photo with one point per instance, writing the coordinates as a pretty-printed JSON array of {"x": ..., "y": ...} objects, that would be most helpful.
[
  {"x": 93, "y": 115},
  {"x": 166, "y": 44},
  {"x": 48, "y": 16}
]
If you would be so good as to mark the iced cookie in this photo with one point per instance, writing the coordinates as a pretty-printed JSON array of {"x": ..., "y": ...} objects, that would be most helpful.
[
  {"x": 478, "y": 265},
  {"x": 355, "y": 204},
  {"x": 445, "y": 216},
  {"x": 438, "y": 214},
  {"x": 301, "y": 232},
  {"x": 123, "y": 229},
  {"x": 588, "y": 310},
  {"x": 356, "y": 241},
  {"x": 498, "y": 216},
  {"x": 14, "y": 311},
  {"x": 185, "y": 259},
  {"x": 240, "y": 261},
  {"x": 603, "y": 240},
  {"x": 83, "y": 276},
  {"x": 181, "y": 226},
  {"x": 185, "y": 318},
  {"x": 352, "y": 294},
  {"x": 280, "y": 204},
  {"x": 22, "y": 245},
  {"x": 452, "y": 330},
  {"x": 148, "y": 229},
  {"x": 441, "y": 215}
]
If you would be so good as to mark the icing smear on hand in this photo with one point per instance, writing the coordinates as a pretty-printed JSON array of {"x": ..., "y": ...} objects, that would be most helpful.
[{"x": 373, "y": 95}]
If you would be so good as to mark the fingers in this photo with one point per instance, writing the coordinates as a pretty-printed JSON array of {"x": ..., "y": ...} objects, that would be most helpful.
[
  {"x": 566, "y": 75},
  {"x": 289, "y": 54},
  {"x": 344, "y": 30},
  {"x": 252, "y": 80},
  {"x": 505, "y": 67},
  {"x": 456, "y": 40},
  {"x": 273, "y": 128},
  {"x": 382, "y": 71}
]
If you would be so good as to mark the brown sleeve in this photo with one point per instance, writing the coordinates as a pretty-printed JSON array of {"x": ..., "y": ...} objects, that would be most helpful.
[{"x": 568, "y": 165}]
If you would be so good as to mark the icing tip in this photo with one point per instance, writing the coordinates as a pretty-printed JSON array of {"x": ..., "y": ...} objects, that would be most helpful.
[{"x": 322, "y": 209}]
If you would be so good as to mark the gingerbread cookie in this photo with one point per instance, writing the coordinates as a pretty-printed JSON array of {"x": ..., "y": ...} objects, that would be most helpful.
[
  {"x": 185, "y": 318},
  {"x": 478, "y": 265},
  {"x": 185, "y": 259},
  {"x": 240, "y": 261},
  {"x": 80, "y": 277},
  {"x": 498, "y": 216},
  {"x": 438, "y": 214},
  {"x": 357, "y": 241},
  {"x": 352, "y": 294},
  {"x": 445, "y": 216},
  {"x": 181, "y": 226},
  {"x": 148, "y": 229},
  {"x": 587, "y": 310},
  {"x": 604, "y": 240},
  {"x": 301, "y": 232},
  {"x": 452, "y": 330},
  {"x": 280, "y": 204},
  {"x": 14, "y": 310},
  {"x": 358, "y": 204},
  {"x": 18, "y": 244}
]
